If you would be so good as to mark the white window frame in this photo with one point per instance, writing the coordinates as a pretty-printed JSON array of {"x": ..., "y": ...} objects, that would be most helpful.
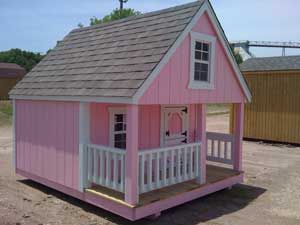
[
  {"x": 112, "y": 112},
  {"x": 211, "y": 40}
]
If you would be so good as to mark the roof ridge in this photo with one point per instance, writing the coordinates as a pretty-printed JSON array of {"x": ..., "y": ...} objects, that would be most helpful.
[{"x": 152, "y": 13}]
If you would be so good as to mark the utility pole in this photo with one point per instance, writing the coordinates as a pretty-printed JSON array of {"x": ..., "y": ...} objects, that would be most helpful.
[{"x": 121, "y": 4}]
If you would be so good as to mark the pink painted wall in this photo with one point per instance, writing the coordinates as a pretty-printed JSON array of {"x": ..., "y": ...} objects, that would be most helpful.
[
  {"x": 47, "y": 140},
  {"x": 171, "y": 85},
  {"x": 149, "y": 124}
]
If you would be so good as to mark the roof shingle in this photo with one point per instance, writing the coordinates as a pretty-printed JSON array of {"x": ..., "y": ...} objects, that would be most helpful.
[
  {"x": 108, "y": 60},
  {"x": 271, "y": 64}
]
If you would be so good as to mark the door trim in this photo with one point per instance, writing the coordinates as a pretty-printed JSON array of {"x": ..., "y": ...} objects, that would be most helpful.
[{"x": 162, "y": 122}]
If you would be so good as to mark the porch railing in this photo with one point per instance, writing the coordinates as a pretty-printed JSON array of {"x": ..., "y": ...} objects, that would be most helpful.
[
  {"x": 220, "y": 147},
  {"x": 106, "y": 166},
  {"x": 166, "y": 166}
]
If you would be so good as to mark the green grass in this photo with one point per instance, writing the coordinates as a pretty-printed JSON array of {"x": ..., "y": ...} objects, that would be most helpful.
[{"x": 5, "y": 113}]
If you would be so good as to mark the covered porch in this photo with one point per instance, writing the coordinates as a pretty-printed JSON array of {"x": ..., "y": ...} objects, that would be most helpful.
[{"x": 148, "y": 181}]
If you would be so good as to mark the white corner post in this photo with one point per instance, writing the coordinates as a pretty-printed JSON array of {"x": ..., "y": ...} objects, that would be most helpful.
[
  {"x": 201, "y": 137},
  {"x": 14, "y": 158},
  {"x": 131, "y": 157},
  {"x": 84, "y": 138},
  {"x": 238, "y": 135}
]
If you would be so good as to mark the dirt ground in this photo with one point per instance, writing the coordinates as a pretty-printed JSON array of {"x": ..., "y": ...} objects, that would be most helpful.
[{"x": 269, "y": 195}]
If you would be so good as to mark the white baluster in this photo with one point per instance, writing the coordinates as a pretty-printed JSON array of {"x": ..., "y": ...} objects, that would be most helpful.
[
  {"x": 191, "y": 163},
  {"x": 184, "y": 164},
  {"x": 142, "y": 175},
  {"x": 96, "y": 167},
  {"x": 115, "y": 168},
  {"x": 171, "y": 170},
  {"x": 122, "y": 173},
  {"x": 90, "y": 168},
  {"x": 149, "y": 173},
  {"x": 164, "y": 168},
  {"x": 157, "y": 181},
  {"x": 178, "y": 172}
]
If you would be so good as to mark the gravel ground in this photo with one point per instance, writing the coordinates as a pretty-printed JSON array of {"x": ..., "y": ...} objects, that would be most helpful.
[{"x": 269, "y": 195}]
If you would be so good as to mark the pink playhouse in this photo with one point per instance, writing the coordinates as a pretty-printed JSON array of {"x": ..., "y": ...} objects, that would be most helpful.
[{"x": 115, "y": 114}]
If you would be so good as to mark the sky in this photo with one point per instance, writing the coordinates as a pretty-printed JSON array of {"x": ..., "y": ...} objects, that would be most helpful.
[{"x": 36, "y": 25}]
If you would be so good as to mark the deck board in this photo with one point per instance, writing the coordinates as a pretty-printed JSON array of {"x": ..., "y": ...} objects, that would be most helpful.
[{"x": 214, "y": 174}]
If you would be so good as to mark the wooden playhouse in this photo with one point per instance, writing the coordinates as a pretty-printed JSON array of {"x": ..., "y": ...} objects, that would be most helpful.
[
  {"x": 274, "y": 112},
  {"x": 115, "y": 114}
]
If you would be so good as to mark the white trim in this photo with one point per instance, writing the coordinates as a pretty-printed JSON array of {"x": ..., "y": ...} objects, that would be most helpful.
[
  {"x": 123, "y": 100},
  {"x": 84, "y": 138},
  {"x": 14, "y": 158},
  {"x": 206, "y": 7},
  {"x": 163, "y": 122},
  {"x": 211, "y": 40},
  {"x": 112, "y": 112}
]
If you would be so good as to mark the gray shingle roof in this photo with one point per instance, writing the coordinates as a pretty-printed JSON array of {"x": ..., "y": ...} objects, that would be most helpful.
[
  {"x": 108, "y": 60},
  {"x": 271, "y": 63}
]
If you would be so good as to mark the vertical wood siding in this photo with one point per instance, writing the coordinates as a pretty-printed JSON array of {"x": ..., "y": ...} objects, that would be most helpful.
[
  {"x": 149, "y": 124},
  {"x": 274, "y": 113},
  {"x": 171, "y": 85},
  {"x": 47, "y": 140}
]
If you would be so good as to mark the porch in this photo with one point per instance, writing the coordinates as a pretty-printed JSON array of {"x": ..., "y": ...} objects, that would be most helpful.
[{"x": 148, "y": 181}]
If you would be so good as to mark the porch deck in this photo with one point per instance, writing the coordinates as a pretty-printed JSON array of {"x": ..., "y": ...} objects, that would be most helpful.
[{"x": 214, "y": 175}]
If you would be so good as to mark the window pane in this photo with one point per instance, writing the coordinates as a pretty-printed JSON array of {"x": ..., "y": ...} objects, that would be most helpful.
[
  {"x": 204, "y": 67},
  {"x": 205, "y": 47},
  {"x": 119, "y": 117},
  {"x": 197, "y": 55},
  {"x": 204, "y": 56},
  {"x": 197, "y": 75},
  {"x": 119, "y": 127},
  {"x": 120, "y": 144},
  {"x": 197, "y": 66},
  {"x": 204, "y": 76},
  {"x": 198, "y": 45},
  {"x": 120, "y": 137}
]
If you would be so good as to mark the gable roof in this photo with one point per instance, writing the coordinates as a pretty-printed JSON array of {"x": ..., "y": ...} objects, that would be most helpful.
[
  {"x": 11, "y": 70},
  {"x": 116, "y": 61},
  {"x": 108, "y": 60},
  {"x": 271, "y": 63}
]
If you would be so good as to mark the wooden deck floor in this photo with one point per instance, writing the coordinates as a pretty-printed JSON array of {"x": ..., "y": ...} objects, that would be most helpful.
[{"x": 214, "y": 174}]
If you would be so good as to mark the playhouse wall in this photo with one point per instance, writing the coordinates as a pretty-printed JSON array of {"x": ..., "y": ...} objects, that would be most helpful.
[
  {"x": 149, "y": 124},
  {"x": 47, "y": 140},
  {"x": 171, "y": 84}
]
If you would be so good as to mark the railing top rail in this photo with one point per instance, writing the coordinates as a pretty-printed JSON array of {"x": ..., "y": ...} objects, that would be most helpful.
[
  {"x": 147, "y": 151},
  {"x": 222, "y": 136},
  {"x": 107, "y": 148}
]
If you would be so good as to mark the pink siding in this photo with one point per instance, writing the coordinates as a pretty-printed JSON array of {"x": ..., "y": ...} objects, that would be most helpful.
[
  {"x": 171, "y": 85},
  {"x": 149, "y": 124},
  {"x": 47, "y": 140}
]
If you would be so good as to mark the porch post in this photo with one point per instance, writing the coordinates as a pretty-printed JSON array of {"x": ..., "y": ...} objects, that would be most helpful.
[
  {"x": 131, "y": 157},
  {"x": 238, "y": 135},
  {"x": 201, "y": 136},
  {"x": 84, "y": 138}
]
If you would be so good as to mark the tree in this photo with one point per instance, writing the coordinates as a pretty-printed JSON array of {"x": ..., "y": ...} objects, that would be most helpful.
[
  {"x": 237, "y": 56},
  {"x": 25, "y": 59},
  {"x": 115, "y": 15}
]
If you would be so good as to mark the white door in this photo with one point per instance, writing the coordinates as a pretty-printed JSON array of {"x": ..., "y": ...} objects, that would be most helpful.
[{"x": 174, "y": 125}]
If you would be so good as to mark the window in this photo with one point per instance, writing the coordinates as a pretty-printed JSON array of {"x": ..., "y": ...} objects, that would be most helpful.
[
  {"x": 201, "y": 71},
  {"x": 202, "y": 61},
  {"x": 118, "y": 128}
]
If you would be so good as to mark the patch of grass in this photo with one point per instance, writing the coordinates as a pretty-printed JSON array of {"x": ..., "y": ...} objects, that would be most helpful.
[
  {"x": 215, "y": 109},
  {"x": 5, "y": 113}
]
